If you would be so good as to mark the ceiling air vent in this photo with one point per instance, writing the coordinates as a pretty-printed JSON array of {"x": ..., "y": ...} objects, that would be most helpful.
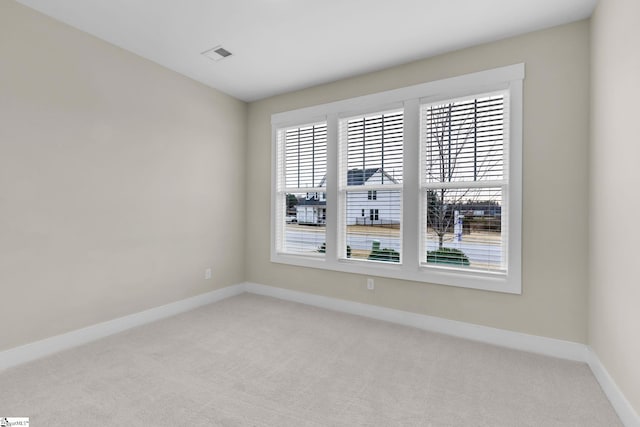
[{"x": 217, "y": 53}]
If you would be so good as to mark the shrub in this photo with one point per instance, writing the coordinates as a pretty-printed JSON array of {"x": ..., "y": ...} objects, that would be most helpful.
[
  {"x": 447, "y": 256},
  {"x": 385, "y": 254}
]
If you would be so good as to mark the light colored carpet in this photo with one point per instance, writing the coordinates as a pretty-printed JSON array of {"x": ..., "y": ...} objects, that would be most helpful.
[{"x": 257, "y": 361}]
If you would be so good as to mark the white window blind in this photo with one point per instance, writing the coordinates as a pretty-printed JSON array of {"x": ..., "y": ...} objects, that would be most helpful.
[
  {"x": 464, "y": 183},
  {"x": 301, "y": 196},
  {"x": 371, "y": 181},
  {"x": 306, "y": 156}
]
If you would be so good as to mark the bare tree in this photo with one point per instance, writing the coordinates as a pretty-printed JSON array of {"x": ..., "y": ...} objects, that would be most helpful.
[{"x": 456, "y": 153}]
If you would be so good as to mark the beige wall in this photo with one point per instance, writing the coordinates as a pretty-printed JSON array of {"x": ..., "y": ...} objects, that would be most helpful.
[
  {"x": 556, "y": 113},
  {"x": 120, "y": 181},
  {"x": 109, "y": 166},
  {"x": 614, "y": 328}
]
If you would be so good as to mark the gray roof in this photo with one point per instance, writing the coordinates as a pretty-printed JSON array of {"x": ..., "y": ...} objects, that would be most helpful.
[
  {"x": 311, "y": 202},
  {"x": 360, "y": 176}
]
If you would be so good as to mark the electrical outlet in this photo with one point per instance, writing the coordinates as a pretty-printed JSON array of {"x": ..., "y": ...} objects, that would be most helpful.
[
  {"x": 370, "y": 284},
  {"x": 207, "y": 274}
]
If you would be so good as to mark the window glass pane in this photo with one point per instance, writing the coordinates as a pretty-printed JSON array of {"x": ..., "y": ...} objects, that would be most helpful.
[
  {"x": 464, "y": 228},
  {"x": 374, "y": 149},
  {"x": 305, "y": 219},
  {"x": 305, "y": 156},
  {"x": 373, "y": 226},
  {"x": 464, "y": 140}
]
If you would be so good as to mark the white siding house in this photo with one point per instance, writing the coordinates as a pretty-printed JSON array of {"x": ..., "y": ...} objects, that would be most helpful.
[
  {"x": 364, "y": 207},
  {"x": 312, "y": 209},
  {"x": 372, "y": 207}
]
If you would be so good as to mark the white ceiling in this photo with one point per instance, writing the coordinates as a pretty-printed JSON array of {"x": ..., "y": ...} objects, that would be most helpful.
[{"x": 283, "y": 45}]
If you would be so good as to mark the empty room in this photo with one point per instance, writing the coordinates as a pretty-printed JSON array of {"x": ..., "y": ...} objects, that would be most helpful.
[{"x": 319, "y": 213}]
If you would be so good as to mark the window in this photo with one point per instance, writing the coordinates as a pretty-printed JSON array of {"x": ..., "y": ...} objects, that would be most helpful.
[
  {"x": 302, "y": 163},
  {"x": 420, "y": 183},
  {"x": 371, "y": 148},
  {"x": 463, "y": 182}
]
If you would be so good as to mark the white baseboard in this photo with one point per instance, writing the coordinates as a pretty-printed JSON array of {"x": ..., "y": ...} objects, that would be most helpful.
[
  {"x": 18, "y": 355},
  {"x": 515, "y": 340},
  {"x": 625, "y": 411}
]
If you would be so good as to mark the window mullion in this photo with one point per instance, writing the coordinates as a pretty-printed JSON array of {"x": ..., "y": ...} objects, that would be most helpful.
[
  {"x": 410, "y": 197},
  {"x": 333, "y": 211}
]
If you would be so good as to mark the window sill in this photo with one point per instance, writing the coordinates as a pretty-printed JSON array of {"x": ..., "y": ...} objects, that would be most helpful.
[{"x": 495, "y": 282}]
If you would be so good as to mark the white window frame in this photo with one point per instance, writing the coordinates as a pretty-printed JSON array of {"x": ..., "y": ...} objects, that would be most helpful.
[
  {"x": 280, "y": 191},
  {"x": 510, "y": 79}
]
